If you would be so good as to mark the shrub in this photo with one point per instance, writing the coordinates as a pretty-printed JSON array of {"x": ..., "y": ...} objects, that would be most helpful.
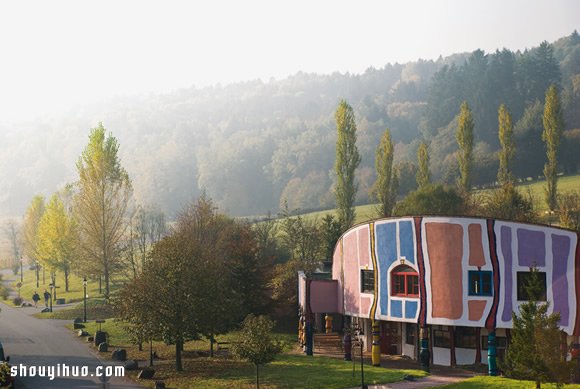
[{"x": 17, "y": 301}]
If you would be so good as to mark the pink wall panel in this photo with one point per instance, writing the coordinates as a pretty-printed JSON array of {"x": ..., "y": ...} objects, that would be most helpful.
[
  {"x": 323, "y": 296},
  {"x": 364, "y": 247},
  {"x": 476, "y": 256},
  {"x": 337, "y": 274},
  {"x": 365, "y": 305},
  {"x": 351, "y": 273}
]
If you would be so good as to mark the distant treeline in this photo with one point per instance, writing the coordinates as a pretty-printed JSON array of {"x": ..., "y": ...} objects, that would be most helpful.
[{"x": 252, "y": 145}]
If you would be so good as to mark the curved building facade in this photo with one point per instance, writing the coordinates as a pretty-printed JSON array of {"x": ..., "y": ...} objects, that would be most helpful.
[{"x": 454, "y": 280}]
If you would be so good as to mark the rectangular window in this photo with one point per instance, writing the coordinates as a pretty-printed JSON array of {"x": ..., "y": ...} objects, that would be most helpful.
[
  {"x": 441, "y": 338},
  {"x": 480, "y": 283},
  {"x": 411, "y": 334},
  {"x": 525, "y": 279},
  {"x": 367, "y": 281},
  {"x": 398, "y": 284},
  {"x": 405, "y": 284},
  {"x": 465, "y": 337}
]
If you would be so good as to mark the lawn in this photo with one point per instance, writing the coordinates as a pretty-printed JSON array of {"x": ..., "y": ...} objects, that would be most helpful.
[
  {"x": 74, "y": 294},
  {"x": 500, "y": 382},
  {"x": 290, "y": 370}
]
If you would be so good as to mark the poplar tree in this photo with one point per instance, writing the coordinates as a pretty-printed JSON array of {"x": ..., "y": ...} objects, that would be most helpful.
[
  {"x": 103, "y": 194},
  {"x": 423, "y": 175},
  {"x": 386, "y": 185},
  {"x": 553, "y": 127},
  {"x": 464, "y": 138},
  {"x": 508, "y": 147},
  {"x": 347, "y": 160}
]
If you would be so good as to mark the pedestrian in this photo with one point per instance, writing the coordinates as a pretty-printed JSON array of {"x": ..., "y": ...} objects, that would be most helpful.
[
  {"x": 35, "y": 298},
  {"x": 46, "y": 297}
]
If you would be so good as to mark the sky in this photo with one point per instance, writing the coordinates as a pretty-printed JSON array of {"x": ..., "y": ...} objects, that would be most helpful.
[{"x": 56, "y": 54}]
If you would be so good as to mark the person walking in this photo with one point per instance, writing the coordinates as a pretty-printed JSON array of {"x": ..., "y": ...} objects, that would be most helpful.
[
  {"x": 35, "y": 298},
  {"x": 46, "y": 297}
]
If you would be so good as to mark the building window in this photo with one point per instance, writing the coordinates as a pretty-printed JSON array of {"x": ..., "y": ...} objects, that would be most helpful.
[
  {"x": 367, "y": 281},
  {"x": 465, "y": 337},
  {"x": 480, "y": 283},
  {"x": 441, "y": 338},
  {"x": 411, "y": 333},
  {"x": 404, "y": 282},
  {"x": 500, "y": 345},
  {"x": 525, "y": 278}
]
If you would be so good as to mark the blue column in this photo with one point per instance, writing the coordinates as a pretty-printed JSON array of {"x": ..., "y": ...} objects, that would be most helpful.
[
  {"x": 491, "y": 354},
  {"x": 309, "y": 338}
]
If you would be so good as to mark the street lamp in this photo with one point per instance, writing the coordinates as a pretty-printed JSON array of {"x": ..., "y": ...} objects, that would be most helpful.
[
  {"x": 51, "y": 288},
  {"x": 85, "y": 295},
  {"x": 21, "y": 261}
]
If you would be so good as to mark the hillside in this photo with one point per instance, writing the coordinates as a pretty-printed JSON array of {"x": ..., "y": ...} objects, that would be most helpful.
[{"x": 251, "y": 145}]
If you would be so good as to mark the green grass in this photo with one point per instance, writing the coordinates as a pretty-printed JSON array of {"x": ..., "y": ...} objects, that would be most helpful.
[
  {"x": 287, "y": 371},
  {"x": 96, "y": 309},
  {"x": 74, "y": 294},
  {"x": 500, "y": 382},
  {"x": 536, "y": 189}
]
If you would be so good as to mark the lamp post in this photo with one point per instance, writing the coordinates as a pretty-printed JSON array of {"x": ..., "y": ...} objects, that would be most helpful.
[
  {"x": 85, "y": 297},
  {"x": 51, "y": 288},
  {"x": 21, "y": 279}
]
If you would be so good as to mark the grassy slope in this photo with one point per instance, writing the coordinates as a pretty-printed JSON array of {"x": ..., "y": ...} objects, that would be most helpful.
[{"x": 536, "y": 189}]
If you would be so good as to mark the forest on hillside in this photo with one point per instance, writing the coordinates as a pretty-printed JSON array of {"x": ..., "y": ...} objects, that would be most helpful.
[{"x": 253, "y": 145}]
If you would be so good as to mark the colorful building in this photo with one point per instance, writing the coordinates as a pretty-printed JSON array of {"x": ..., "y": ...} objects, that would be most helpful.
[{"x": 446, "y": 285}]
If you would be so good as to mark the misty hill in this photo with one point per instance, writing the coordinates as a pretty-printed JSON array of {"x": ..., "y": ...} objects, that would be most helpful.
[{"x": 251, "y": 145}]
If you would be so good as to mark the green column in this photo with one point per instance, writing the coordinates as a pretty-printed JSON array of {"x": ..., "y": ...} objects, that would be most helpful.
[
  {"x": 424, "y": 354},
  {"x": 491, "y": 354}
]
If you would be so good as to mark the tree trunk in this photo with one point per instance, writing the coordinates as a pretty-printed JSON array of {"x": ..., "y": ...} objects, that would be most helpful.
[
  {"x": 538, "y": 384},
  {"x": 211, "y": 342},
  {"x": 257, "y": 377},
  {"x": 178, "y": 364},
  {"x": 66, "y": 279}
]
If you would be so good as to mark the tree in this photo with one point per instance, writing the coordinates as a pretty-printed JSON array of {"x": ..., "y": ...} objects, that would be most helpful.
[
  {"x": 433, "y": 199},
  {"x": 58, "y": 238},
  {"x": 464, "y": 138},
  {"x": 423, "y": 175},
  {"x": 347, "y": 160},
  {"x": 14, "y": 235},
  {"x": 553, "y": 127},
  {"x": 508, "y": 148},
  {"x": 32, "y": 218},
  {"x": 386, "y": 186},
  {"x": 508, "y": 203},
  {"x": 534, "y": 351},
  {"x": 256, "y": 344},
  {"x": 569, "y": 210},
  {"x": 100, "y": 204}
]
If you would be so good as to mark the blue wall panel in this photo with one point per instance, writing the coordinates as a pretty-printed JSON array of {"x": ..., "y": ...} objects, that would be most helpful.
[
  {"x": 397, "y": 308},
  {"x": 386, "y": 244},
  {"x": 411, "y": 309},
  {"x": 406, "y": 240}
]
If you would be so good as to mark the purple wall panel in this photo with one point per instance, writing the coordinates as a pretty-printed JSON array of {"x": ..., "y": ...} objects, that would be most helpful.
[
  {"x": 561, "y": 251},
  {"x": 531, "y": 248},
  {"x": 506, "y": 249}
]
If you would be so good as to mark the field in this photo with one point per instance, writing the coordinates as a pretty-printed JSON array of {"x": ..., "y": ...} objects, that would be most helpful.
[{"x": 535, "y": 189}]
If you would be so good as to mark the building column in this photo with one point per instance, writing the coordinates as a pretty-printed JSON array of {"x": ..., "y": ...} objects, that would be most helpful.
[
  {"x": 491, "y": 353},
  {"x": 328, "y": 323},
  {"x": 309, "y": 336},
  {"x": 452, "y": 357},
  {"x": 424, "y": 354},
  {"x": 478, "y": 346},
  {"x": 347, "y": 339},
  {"x": 376, "y": 348}
]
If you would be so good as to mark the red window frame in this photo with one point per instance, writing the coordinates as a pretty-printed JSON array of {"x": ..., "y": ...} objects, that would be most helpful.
[{"x": 406, "y": 281}]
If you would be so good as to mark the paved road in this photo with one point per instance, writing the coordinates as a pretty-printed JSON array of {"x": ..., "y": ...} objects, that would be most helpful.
[{"x": 41, "y": 342}]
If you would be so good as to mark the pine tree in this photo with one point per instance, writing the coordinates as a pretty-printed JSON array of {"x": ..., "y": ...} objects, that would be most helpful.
[
  {"x": 423, "y": 174},
  {"x": 386, "y": 185},
  {"x": 534, "y": 351},
  {"x": 347, "y": 160},
  {"x": 508, "y": 148},
  {"x": 464, "y": 138},
  {"x": 553, "y": 127}
]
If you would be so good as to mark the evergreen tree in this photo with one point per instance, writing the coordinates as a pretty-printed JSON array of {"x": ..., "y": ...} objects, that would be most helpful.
[
  {"x": 423, "y": 174},
  {"x": 553, "y": 127},
  {"x": 385, "y": 187},
  {"x": 347, "y": 160},
  {"x": 508, "y": 148},
  {"x": 464, "y": 138},
  {"x": 534, "y": 351}
]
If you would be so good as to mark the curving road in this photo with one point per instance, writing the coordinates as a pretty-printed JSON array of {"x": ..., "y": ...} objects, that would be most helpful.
[{"x": 42, "y": 342}]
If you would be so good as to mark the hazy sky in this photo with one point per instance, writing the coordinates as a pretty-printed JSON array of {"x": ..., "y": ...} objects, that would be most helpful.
[{"x": 57, "y": 53}]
